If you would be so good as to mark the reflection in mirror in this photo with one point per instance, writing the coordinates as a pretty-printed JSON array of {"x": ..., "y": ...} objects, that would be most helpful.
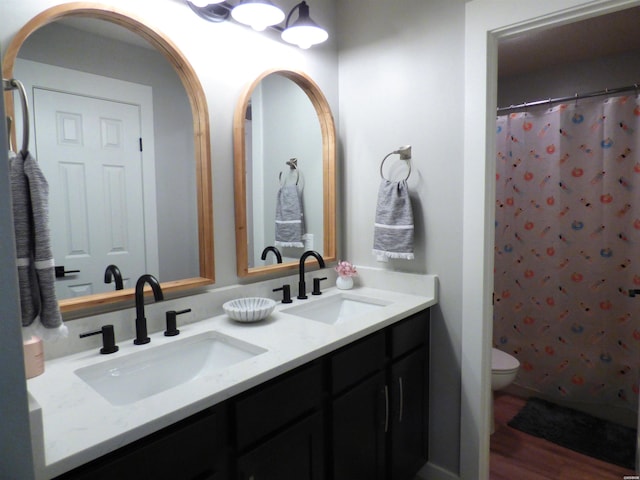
[
  {"x": 284, "y": 165},
  {"x": 114, "y": 134}
]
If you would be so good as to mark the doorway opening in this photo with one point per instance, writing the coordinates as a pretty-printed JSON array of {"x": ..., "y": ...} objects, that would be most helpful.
[{"x": 587, "y": 55}]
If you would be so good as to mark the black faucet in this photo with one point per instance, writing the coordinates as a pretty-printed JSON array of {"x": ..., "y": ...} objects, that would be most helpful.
[
  {"x": 302, "y": 287},
  {"x": 275, "y": 251},
  {"x": 141, "y": 320},
  {"x": 112, "y": 273}
]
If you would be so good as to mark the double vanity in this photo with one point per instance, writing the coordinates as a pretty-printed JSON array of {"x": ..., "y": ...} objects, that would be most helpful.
[{"x": 258, "y": 390}]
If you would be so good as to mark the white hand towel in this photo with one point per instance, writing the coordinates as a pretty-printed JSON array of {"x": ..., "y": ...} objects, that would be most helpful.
[{"x": 393, "y": 229}]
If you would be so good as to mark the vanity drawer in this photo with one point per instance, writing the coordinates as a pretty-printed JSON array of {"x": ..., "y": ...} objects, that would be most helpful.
[
  {"x": 270, "y": 407},
  {"x": 409, "y": 334},
  {"x": 355, "y": 362}
]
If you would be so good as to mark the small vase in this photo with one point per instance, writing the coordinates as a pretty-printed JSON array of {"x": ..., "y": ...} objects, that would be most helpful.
[{"x": 344, "y": 283}]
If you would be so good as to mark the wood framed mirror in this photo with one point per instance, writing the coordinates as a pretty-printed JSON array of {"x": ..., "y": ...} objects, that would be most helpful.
[
  {"x": 284, "y": 133},
  {"x": 202, "y": 249}
]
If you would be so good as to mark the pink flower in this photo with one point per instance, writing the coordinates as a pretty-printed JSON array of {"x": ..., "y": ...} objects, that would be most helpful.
[{"x": 346, "y": 269}]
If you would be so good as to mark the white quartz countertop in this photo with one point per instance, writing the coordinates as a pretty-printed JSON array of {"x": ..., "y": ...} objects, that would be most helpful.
[{"x": 80, "y": 425}]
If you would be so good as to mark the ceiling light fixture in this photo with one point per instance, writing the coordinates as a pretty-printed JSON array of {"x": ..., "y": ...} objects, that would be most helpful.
[
  {"x": 263, "y": 14},
  {"x": 304, "y": 32}
]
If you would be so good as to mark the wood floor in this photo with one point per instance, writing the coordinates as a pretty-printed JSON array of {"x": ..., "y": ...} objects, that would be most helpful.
[{"x": 517, "y": 455}]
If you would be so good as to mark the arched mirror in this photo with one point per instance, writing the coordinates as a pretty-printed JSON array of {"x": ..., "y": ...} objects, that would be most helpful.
[
  {"x": 284, "y": 154},
  {"x": 122, "y": 134}
]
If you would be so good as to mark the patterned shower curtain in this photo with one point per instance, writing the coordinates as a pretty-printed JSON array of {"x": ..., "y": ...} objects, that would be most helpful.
[{"x": 567, "y": 249}]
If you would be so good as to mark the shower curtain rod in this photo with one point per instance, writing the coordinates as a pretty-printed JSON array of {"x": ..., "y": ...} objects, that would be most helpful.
[{"x": 577, "y": 96}]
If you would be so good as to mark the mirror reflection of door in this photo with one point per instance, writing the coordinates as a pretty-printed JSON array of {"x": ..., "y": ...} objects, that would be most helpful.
[
  {"x": 86, "y": 138},
  {"x": 173, "y": 157},
  {"x": 88, "y": 149}
]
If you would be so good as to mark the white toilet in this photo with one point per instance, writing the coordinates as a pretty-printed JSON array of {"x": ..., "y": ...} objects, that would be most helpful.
[{"x": 504, "y": 369}]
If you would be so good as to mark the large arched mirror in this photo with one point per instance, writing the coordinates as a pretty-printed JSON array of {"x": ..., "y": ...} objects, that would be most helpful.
[
  {"x": 103, "y": 87},
  {"x": 284, "y": 153}
]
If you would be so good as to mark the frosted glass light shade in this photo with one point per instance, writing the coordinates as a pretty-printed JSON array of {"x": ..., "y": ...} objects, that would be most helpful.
[
  {"x": 258, "y": 14},
  {"x": 305, "y": 35}
]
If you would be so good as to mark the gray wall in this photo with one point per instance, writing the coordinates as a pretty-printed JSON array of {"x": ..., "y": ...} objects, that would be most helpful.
[
  {"x": 401, "y": 70},
  {"x": 15, "y": 441}
]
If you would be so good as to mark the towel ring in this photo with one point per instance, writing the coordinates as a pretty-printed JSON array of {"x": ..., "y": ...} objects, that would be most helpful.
[
  {"x": 405, "y": 154},
  {"x": 297, "y": 177},
  {"x": 293, "y": 165},
  {"x": 14, "y": 84}
]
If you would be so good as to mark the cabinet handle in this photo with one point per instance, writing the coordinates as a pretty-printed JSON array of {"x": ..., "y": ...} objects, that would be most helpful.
[
  {"x": 386, "y": 409},
  {"x": 401, "y": 399}
]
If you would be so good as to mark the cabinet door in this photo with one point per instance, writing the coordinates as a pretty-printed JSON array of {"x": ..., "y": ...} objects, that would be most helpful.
[
  {"x": 409, "y": 417},
  {"x": 268, "y": 408},
  {"x": 197, "y": 450},
  {"x": 295, "y": 454},
  {"x": 359, "y": 418}
]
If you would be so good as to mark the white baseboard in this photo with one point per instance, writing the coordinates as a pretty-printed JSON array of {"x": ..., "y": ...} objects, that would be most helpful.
[{"x": 431, "y": 471}]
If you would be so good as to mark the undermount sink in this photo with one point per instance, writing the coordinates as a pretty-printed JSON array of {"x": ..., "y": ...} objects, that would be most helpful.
[
  {"x": 127, "y": 379},
  {"x": 336, "y": 308}
]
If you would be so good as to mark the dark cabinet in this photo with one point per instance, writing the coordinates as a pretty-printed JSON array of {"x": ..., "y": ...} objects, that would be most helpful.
[
  {"x": 273, "y": 405},
  {"x": 360, "y": 412},
  {"x": 279, "y": 428},
  {"x": 409, "y": 426},
  {"x": 358, "y": 440},
  {"x": 296, "y": 453},
  {"x": 380, "y": 423}
]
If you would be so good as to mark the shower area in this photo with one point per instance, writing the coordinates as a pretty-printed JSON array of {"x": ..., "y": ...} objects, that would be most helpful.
[
  {"x": 567, "y": 226},
  {"x": 567, "y": 249}
]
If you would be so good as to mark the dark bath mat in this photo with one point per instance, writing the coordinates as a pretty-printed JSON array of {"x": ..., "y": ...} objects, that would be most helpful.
[{"x": 578, "y": 431}]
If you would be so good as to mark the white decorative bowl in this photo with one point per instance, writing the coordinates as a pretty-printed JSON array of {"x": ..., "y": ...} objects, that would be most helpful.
[{"x": 250, "y": 309}]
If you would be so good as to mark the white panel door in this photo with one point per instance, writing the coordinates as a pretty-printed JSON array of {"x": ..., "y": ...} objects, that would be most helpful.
[{"x": 89, "y": 151}]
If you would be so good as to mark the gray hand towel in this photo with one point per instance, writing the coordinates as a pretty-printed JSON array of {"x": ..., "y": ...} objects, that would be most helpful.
[
  {"x": 35, "y": 262},
  {"x": 393, "y": 229},
  {"x": 29, "y": 300},
  {"x": 289, "y": 226}
]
